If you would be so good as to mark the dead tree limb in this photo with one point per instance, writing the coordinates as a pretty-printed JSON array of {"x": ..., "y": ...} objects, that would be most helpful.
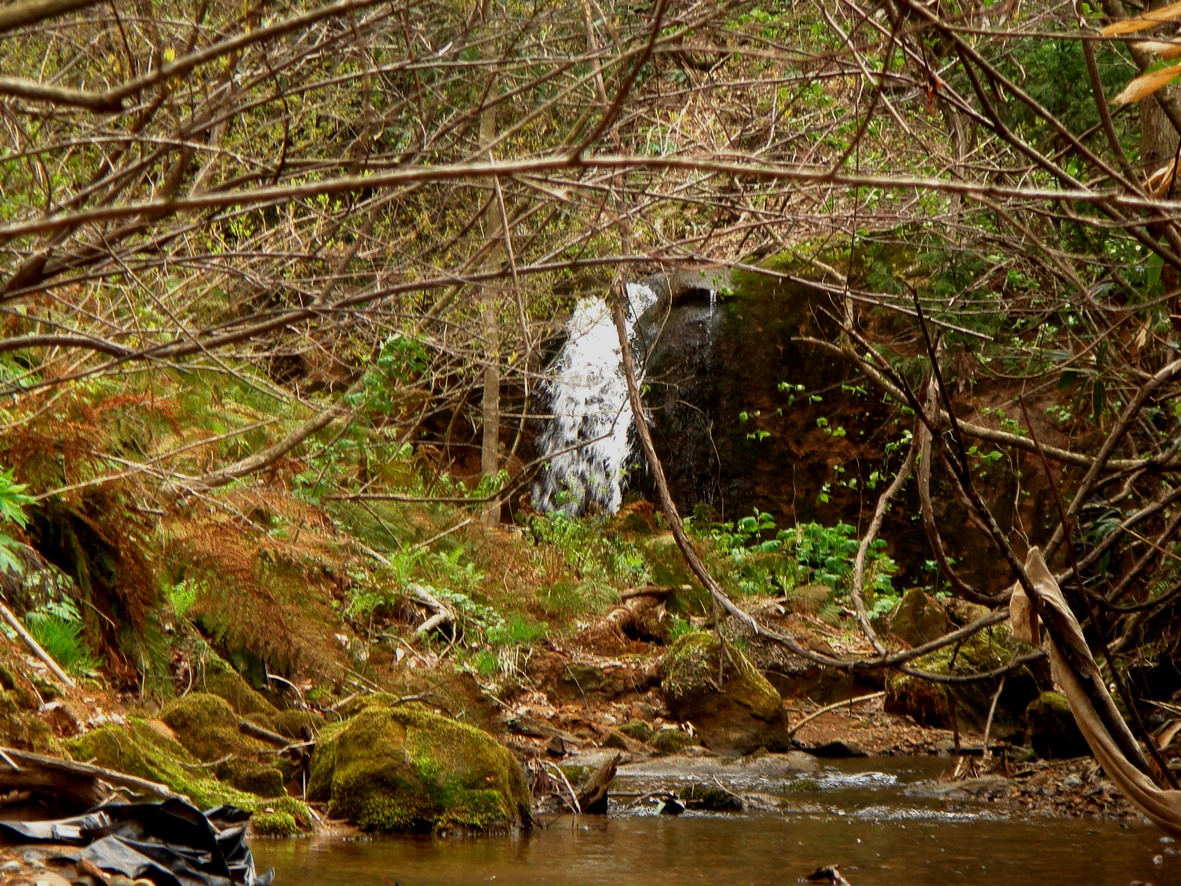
[
  {"x": 34, "y": 646},
  {"x": 80, "y": 782},
  {"x": 1094, "y": 710}
]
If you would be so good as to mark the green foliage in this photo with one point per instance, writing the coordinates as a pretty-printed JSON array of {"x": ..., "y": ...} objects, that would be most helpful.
[
  {"x": 12, "y": 509},
  {"x": 57, "y": 626},
  {"x": 594, "y": 553},
  {"x": 450, "y": 576},
  {"x": 766, "y": 560},
  {"x": 182, "y": 595},
  {"x": 678, "y": 627}
]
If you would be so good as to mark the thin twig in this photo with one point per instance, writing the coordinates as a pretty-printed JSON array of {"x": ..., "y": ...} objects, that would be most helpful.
[{"x": 847, "y": 703}]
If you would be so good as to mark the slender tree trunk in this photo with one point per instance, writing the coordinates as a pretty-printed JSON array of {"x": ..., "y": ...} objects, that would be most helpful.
[{"x": 490, "y": 301}]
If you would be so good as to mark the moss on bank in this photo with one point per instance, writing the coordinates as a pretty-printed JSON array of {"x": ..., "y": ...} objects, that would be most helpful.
[{"x": 143, "y": 749}]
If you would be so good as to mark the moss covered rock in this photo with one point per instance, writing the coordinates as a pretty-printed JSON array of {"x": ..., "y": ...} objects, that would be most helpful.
[
  {"x": 638, "y": 729},
  {"x": 671, "y": 741},
  {"x": 730, "y": 703},
  {"x": 1051, "y": 728},
  {"x": 298, "y": 725},
  {"x": 930, "y": 703},
  {"x": 21, "y": 728},
  {"x": 918, "y": 619},
  {"x": 405, "y": 769},
  {"x": 207, "y": 727},
  {"x": 228, "y": 685}
]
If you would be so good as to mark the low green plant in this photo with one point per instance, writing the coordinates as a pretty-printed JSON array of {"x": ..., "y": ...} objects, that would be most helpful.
[
  {"x": 57, "y": 626},
  {"x": 678, "y": 627},
  {"x": 594, "y": 553}
]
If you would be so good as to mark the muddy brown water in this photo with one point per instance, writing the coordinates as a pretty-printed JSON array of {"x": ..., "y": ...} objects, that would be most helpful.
[{"x": 876, "y": 819}]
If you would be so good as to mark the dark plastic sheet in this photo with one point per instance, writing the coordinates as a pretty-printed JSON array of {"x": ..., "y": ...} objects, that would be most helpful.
[{"x": 170, "y": 843}]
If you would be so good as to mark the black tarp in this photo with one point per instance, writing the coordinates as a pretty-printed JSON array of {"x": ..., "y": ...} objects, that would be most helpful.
[{"x": 170, "y": 843}]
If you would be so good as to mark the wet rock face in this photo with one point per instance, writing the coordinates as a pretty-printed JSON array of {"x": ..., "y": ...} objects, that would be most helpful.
[
  {"x": 736, "y": 714},
  {"x": 405, "y": 769},
  {"x": 746, "y": 415},
  {"x": 735, "y": 399}
]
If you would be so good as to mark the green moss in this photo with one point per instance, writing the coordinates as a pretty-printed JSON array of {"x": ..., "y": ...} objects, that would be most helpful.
[
  {"x": 671, "y": 741},
  {"x": 693, "y": 664},
  {"x": 323, "y": 765},
  {"x": 138, "y": 749},
  {"x": 21, "y": 728},
  {"x": 296, "y": 724},
  {"x": 638, "y": 729},
  {"x": 373, "y": 699},
  {"x": 1051, "y": 728},
  {"x": 406, "y": 769},
  {"x": 227, "y": 684},
  {"x": 928, "y": 703},
  {"x": 690, "y": 663},
  {"x": 252, "y": 776},
  {"x": 274, "y": 824},
  {"x": 717, "y": 689},
  {"x": 207, "y": 726}
]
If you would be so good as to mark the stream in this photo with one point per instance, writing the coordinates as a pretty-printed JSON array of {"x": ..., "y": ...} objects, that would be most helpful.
[{"x": 873, "y": 818}]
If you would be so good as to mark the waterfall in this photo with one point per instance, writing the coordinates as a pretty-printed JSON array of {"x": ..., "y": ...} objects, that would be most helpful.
[{"x": 587, "y": 442}]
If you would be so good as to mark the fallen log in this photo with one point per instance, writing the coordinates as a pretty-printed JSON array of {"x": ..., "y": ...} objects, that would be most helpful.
[{"x": 80, "y": 783}]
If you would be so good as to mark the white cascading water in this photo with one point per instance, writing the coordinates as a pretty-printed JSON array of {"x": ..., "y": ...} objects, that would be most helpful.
[{"x": 587, "y": 443}]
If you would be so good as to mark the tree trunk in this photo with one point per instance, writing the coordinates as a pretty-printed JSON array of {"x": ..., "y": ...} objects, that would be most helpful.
[{"x": 490, "y": 405}]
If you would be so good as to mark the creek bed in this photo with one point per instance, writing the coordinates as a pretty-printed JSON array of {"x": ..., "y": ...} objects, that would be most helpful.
[{"x": 871, "y": 817}]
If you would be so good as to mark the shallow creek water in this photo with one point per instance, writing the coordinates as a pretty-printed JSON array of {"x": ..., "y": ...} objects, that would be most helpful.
[{"x": 873, "y": 818}]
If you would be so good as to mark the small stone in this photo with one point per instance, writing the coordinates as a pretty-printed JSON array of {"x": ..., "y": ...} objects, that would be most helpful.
[
  {"x": 10, "y": 867},
  {"x": 1074, "y": 780}
]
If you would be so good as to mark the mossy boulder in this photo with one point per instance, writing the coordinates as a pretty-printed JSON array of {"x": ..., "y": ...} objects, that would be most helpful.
[
  {"x": 293, "y": 723},
  {"x": 405, "y": 769},
  {"x": 207, "y": 727},
  {"x": 733, "y": 707},
  {"x": 599, "y": 681},
  {"x": 919, "y": 619},
  {"x": 929, "y": 703},
  {"x": 1051, "y": 728},
  {"x": 671, "y": 740},
  {"x": 640, "y": 730}
]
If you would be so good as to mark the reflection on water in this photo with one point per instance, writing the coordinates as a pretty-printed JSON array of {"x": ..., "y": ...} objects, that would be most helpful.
[{"x": 862, "y": 821}]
